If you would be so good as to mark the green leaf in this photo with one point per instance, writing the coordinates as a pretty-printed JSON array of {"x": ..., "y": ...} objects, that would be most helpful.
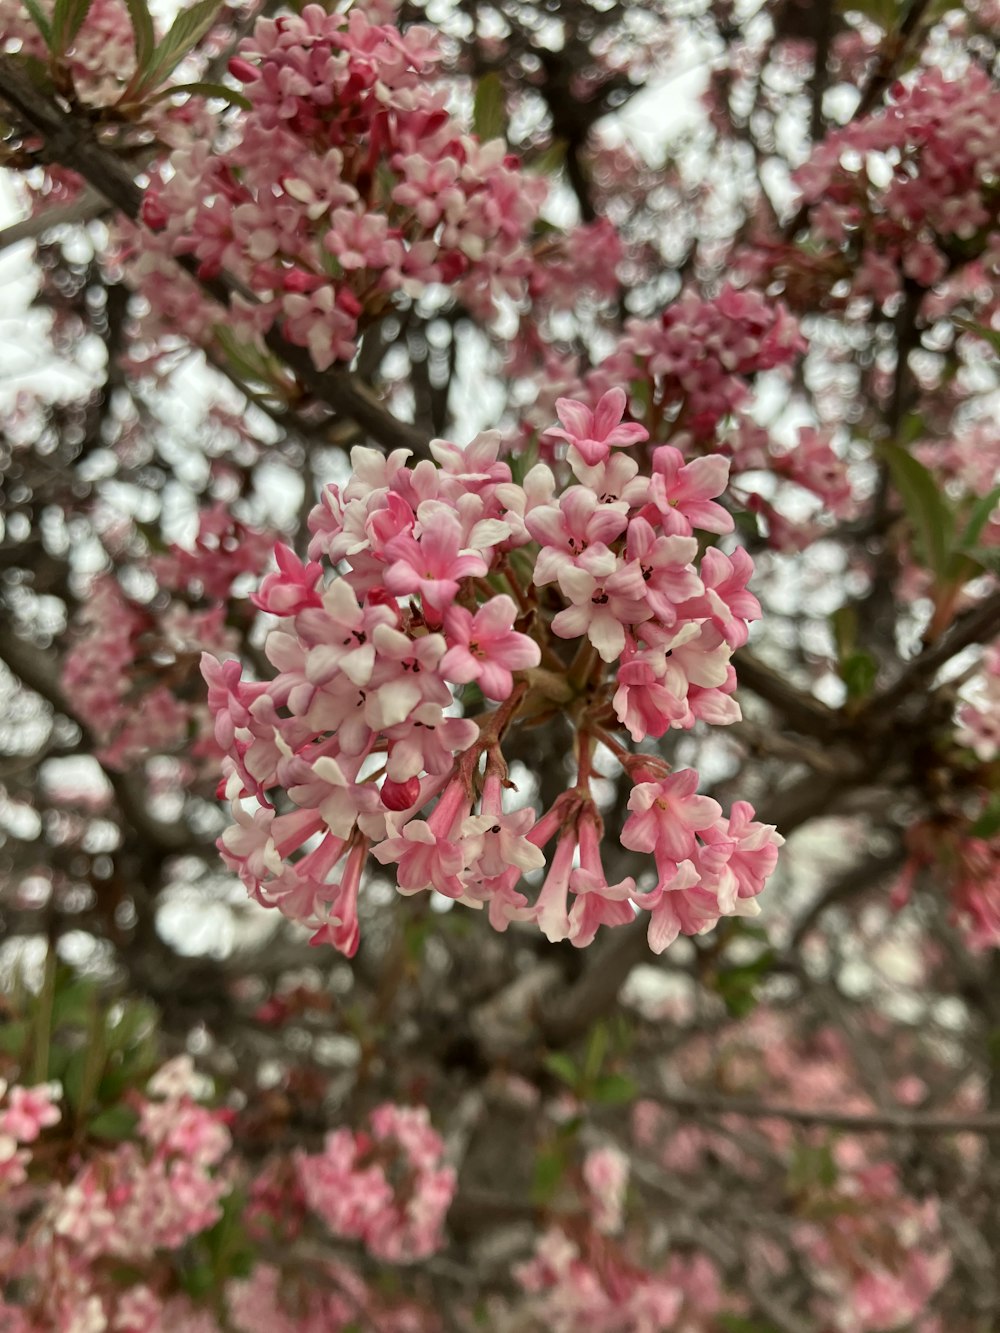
[
  {"x": 562, "y": 1065},
  {"x": 73, "y": 1002},
  {"x": 737, "y": 984},
  {"x": 859, "y": 672},
  {"x": 144, "y": 33},
  {"x": 812, "y": 1168},
  {"x": 14, "y": 1038},
  {"x": 551, "y": 161},
  {"x": 844, "y": 624},
  {"x": 926, "y": 508},
  {"x": 489, "y": 111},
  {"x": 550, "y": 1167},
  {"x": 597, "y": 1049},
  {"x": 979, "y": 516},
  {"x": 187, "y": 30},
  {"x": 40, "y": 21},
  {"x": 67, "y": 20},
  {"x": 988, "y": 823},
  {"x": 988, "y": 557},
  {"x": 114, "y": 1123},
  {"x": 737, "y": 1323},
  {"x": 613, "y": 1089},
  {"x": 199, "y": 89}
]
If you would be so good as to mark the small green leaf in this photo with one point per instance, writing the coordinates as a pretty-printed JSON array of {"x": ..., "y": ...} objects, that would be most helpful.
[
  {"x": 597, "y": 1049},
  {"x": 144, "y": 33},
  {"x": 988, "y": 557},
  {"x": 14, "y": 1038},
  {"x": 926, "y": 508},
  {"x": 562, "y": 1065},
  {"x": 979, "y": 516},
  {"x": 812, "y": 1168},
  {"x": 114, "y": 1123},
  {"x": 613, "y": 1089},
  {"x": 67, "y": 20},
  {"x": 40, "y": 21},
  {"x": 859, "y": 671},
  {"x": 737, "y": 1323},
  {"x": 187, "y": 30},
  {"x": 73, "y": 1002},
  {"x": 489, "y": 111},
  {"x": 551, "y": 161},
  {"x": 550, "y": 1167},
  {"x": 988, "y": 823},
  {"x": 844, "y": 624},
  {"x": 737, "y": 984},
  {"x": 199, "y": 89}
]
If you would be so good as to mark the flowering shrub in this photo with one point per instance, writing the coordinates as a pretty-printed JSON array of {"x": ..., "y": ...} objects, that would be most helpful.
[{"x": 533, "y": 459}]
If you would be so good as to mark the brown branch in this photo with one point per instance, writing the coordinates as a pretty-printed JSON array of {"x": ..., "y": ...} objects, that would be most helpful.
[
  {"x": 876, "y": 1122},
  {"x": 978, "y": 625},
  {"x": 806, "y": 714},
  {"x": 34, "y": 671}
]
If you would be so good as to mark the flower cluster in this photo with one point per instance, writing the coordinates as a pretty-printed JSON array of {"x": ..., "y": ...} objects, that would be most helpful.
[
  {"x": 882, "y": 1251},
  {"x": 896, "y": 195},
  {"x": 348, "y": 182},
  {"x": 127, "y": 669},
  {"x": 24, "y": 1113},
  {"x": 586, "y": 1284},
  {"x": 467, "y": 604},
  {"x": 387, "y": 1187},
  {"x": 967, "y": 867},
  {"x": 980, "y": 716}
]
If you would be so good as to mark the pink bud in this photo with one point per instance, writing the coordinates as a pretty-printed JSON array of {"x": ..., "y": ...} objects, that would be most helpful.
[
  {"x": 400, "y": 795},
  {"x": 348, "y": 302},
  {"x": 297, "y": 280},
  {"x": 153, "y": 214},
  {"x": 243, "y": 70}
]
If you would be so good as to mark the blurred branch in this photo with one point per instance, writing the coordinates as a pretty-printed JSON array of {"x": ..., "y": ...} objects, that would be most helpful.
[
  {"x": 876, "y": 1122},
  {"x": 31, "y": 666},
  {"x": 978, "y": 625}
]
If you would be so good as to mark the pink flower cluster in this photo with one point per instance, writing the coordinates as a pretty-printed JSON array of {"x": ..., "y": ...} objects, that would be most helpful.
[
  {"x": 880, "y": 1250},
  {"x": 966, "y": 867},
  {"x": 127, "y": 665},
  {"x": 24, "y": 1113},
  {"x": 387, "y": 1188},
  {"x": 139, "y": 1199},
  {"x": 348, "y": 181},
  {"x": 698, "y": 356},
  {"x": 908, "y": 179},
  {"x": 458, "y": 594},
  {"x": 589, "y": 1284},
  {"x": 126, "y": 1205},
  {"x": 980, "y": 716},
  {"x": 223, "y": 550}
]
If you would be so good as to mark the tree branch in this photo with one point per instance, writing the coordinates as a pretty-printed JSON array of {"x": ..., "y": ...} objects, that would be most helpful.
[{"x": 876, "y": 1122}]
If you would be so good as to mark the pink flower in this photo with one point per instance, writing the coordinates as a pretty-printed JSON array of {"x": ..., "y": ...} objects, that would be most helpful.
[
  {"x": 666, "y": 815},
  {"x": 432, "y": 565},
  {"x": 486, "y": 648},
  {"x": 604, "y": 597},
  {"x": 683, "y": 493},
  {"x": 28, "y": 1112},
  {"x": 593, "y": 433}
]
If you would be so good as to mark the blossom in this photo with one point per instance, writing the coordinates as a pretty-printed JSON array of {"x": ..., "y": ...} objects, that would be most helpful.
[
  {"x": 594, "y": 433},
  {"x": 486, "y": 648}
]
